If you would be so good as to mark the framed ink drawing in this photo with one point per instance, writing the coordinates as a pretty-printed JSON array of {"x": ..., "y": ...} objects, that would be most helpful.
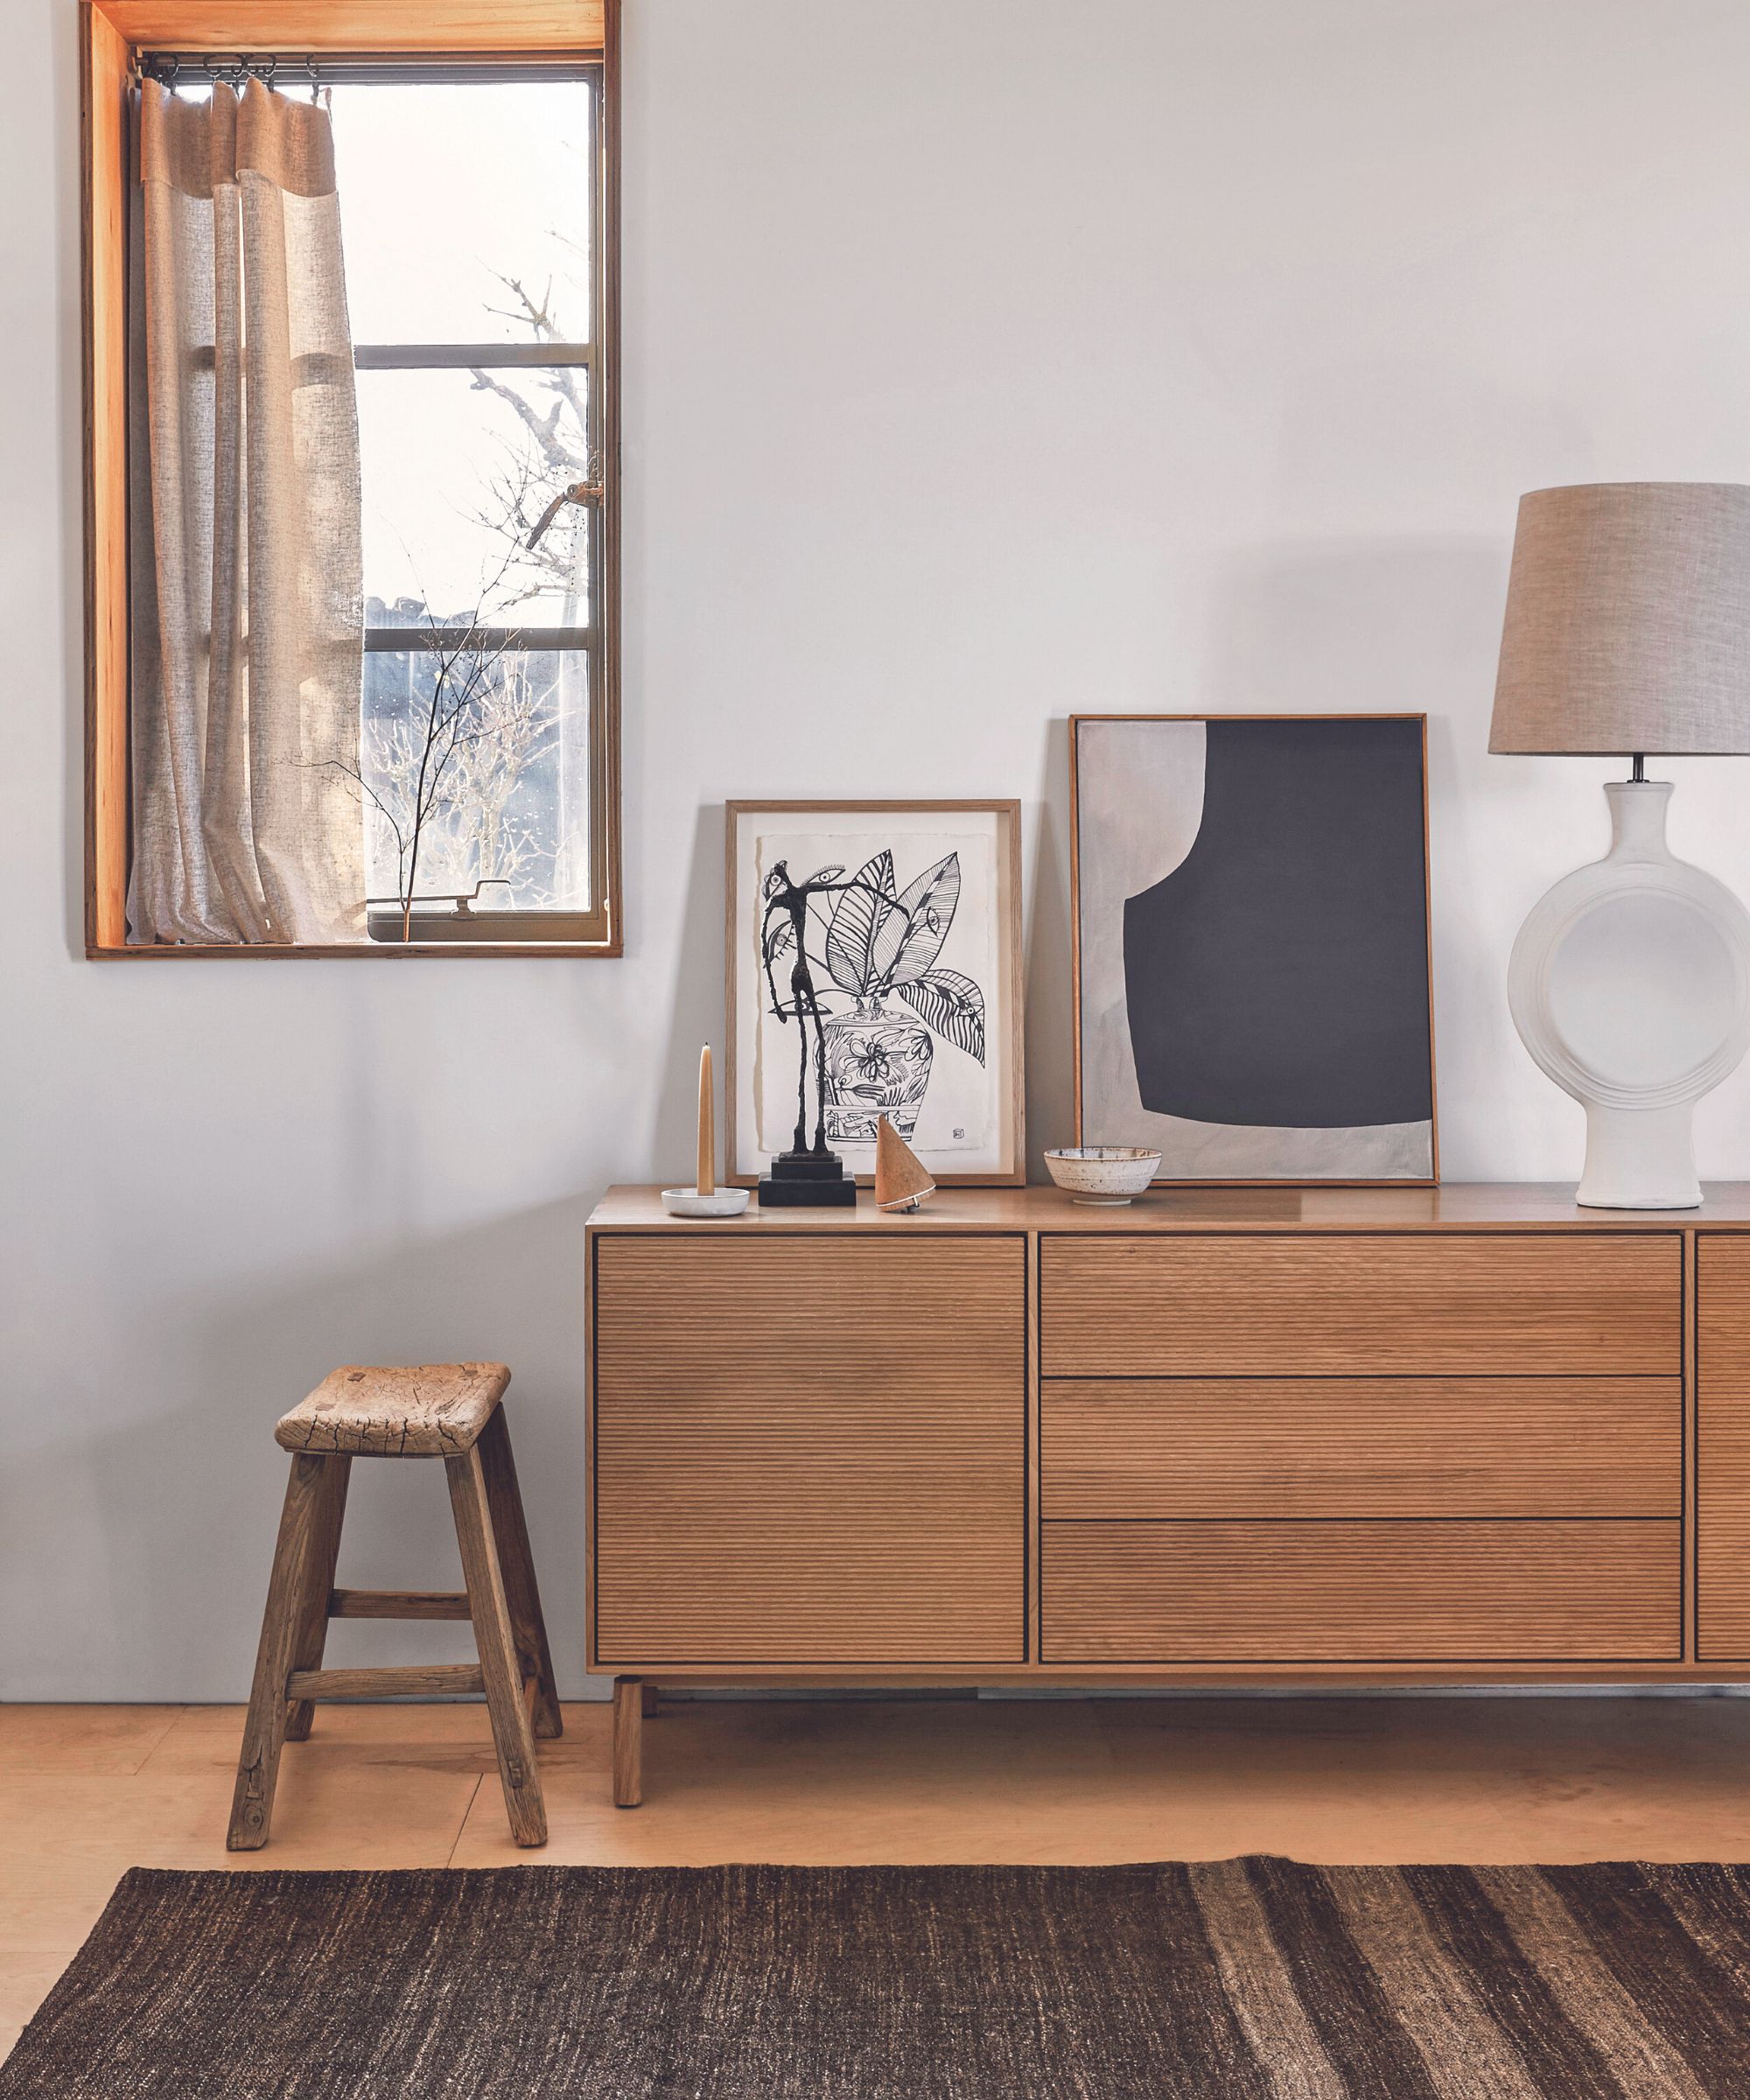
[
  {"x": 1251, "y": 942},
  {"x": 913, "y": 958}
]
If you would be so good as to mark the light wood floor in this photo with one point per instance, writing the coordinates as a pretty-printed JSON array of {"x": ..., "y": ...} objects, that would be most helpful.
[{"x": 86, "y": 1792}]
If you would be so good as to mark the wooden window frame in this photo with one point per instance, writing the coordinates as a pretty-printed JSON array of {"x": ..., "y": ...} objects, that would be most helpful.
[{"x": 112, "y": 33}]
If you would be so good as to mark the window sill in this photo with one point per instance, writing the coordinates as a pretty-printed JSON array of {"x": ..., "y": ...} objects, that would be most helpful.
[{"x": 366, "y": 950}]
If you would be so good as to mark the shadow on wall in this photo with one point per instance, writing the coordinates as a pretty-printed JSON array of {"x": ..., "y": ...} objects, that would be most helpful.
[
  {"x": 698, "y": 1015},
  {"x": 1048, "y": 964},
  {"x": 1371, "y": 626},
  {"x": 1368, "y": 626},
  {"x": 185, "y": 1504}
]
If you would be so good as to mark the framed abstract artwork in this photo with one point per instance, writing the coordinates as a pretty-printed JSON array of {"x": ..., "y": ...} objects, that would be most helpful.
[
  {"x": 1252, "y": 981},
  {"x": 903, "y": 997}
]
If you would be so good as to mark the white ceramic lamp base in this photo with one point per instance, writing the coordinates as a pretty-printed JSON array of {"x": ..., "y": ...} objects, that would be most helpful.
[{"x": 1630, "y": 987}]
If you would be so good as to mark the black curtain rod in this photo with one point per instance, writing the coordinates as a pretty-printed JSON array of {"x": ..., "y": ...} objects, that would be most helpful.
[{"x": 291, "y": 70}]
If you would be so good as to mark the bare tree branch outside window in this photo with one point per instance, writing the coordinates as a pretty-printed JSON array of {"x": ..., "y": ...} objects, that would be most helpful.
[{"x": 453, "y": 769}]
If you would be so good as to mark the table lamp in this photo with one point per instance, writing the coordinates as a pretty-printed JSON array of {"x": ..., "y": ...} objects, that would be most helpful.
[{"x": 1628, "y": 632}]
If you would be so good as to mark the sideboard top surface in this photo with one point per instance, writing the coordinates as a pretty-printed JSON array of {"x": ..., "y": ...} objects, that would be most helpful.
[{"x": 1474, "y": 1205}]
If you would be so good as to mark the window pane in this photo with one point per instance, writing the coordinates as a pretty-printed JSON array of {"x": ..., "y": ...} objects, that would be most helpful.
[
  {"x": 503, "y": 738},
  {"x": 455, "y": 480},
  {"x": 451, "y": 198}
]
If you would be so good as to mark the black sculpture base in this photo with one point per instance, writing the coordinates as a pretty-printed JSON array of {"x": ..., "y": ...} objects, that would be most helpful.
[{"x": 807, "y": 1181}]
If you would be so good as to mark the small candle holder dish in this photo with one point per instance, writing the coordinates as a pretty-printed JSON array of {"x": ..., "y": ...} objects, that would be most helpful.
[
  {"x": 1102, "y": 1174},
  {"x": 717, "y": 1203}
]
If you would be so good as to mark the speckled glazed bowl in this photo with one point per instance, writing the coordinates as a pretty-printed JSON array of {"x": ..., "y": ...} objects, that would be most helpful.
[{"x": 1102, "y": 1174}]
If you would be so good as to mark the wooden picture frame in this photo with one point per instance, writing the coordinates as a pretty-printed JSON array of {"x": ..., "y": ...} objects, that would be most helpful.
[
  {"x": 1315, "y": 1151},
  {"x": 114, "y": 37},
  {"x": 1000, "y": 1158}
]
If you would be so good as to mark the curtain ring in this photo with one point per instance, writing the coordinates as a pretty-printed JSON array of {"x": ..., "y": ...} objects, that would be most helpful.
[
  {"x": 264, "y": 69},
  {"x": 315, "y": 82}
]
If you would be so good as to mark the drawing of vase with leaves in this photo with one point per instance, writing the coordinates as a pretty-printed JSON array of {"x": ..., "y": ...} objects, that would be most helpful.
[{"x": 882, "y": 945}]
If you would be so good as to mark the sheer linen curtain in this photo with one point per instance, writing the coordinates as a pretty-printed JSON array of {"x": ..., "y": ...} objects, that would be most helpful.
[{"x": 248, "y": 589}]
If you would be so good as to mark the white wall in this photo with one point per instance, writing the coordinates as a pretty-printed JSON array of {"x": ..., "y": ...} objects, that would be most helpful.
[{"x": 986, "y": 360}]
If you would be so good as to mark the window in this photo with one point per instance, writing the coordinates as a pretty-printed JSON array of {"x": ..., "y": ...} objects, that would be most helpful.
[
  {"x": 473, "y": 280},
  {"x": 475, "y": 197}
]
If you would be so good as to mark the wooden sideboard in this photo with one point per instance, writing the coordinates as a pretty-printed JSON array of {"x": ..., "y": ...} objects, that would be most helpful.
[{"x": 1460, "y": 1435}]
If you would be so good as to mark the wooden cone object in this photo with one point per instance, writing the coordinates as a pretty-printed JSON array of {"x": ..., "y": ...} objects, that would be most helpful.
[{"x": 900, "y": 1181}]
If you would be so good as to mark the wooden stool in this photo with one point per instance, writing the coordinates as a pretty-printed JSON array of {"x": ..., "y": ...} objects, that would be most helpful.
[{"x": 447, "y": 1411}]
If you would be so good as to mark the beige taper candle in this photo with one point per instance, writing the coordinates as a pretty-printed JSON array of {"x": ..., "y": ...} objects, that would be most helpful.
[{"x": 707, "y": 1181}]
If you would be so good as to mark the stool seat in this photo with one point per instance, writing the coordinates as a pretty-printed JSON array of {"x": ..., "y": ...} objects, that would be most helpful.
[{"x": 414, "y": 1411}]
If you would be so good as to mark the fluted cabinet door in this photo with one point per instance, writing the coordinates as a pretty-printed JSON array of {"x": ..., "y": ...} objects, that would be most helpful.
[
  {"x": 809, "y": 1449},
  {"x": 1723, "y": 1447}
]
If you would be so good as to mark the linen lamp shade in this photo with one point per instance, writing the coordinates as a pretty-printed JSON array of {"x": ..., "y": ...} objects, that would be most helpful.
[{"x": 1628, "y": 626}]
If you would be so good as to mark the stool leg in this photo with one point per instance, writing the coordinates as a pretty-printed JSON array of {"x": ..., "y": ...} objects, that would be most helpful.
[
  {"x": 312, "y": 1636},
  {"x": 497, "y": 1645},
  {"x": 264, "y": 1730},
  {"x": 628, "y": 1742},
  {"x": 518, "y": 1566}
]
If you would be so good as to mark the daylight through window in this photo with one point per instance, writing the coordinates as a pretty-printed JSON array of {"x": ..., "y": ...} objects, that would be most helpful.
[
  {"x": 472, "y": 277},
  {"x": 370, "y": 687}
]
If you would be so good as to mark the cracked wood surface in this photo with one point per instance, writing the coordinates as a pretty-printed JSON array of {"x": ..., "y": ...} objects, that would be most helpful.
[{"x": 396, "y": 1410}]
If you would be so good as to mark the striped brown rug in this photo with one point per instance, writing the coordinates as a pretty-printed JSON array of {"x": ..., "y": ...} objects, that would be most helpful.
[{"x": 1253, "y": 1978}]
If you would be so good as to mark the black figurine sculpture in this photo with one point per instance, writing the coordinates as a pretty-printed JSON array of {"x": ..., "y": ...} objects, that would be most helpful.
[{"x": 809, "y": 1173}]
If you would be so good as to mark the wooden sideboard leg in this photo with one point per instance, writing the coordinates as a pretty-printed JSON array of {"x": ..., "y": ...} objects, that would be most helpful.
[
  {"x": 652, "y": 1700},
  {"x": 628, "y": 1742}
]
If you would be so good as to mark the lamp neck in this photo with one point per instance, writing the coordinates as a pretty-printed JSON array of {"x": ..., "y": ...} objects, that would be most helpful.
[{"x": 1637, "y": 818}]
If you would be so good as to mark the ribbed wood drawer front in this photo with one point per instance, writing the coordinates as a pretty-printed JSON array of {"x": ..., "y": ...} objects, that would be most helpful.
[
  {"x": 1190, "y": 1447},
  {"x": 1287, "y": 1305},
  {"x": 810, "y": 1450},
  {"x": 1367, "y": 1591},
  {"x": 1723, "y": 1447}
]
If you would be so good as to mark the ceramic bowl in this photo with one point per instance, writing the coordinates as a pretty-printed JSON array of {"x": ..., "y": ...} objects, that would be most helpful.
[
  {"x": 1102, "y": 1174},
  {"x": 721, "y": 1203}
]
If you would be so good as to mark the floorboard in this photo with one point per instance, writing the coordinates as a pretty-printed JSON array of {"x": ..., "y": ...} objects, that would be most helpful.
[{"x": 86, "y": 1792}]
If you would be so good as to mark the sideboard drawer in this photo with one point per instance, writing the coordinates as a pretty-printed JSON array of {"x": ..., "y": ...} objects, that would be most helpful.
[
  {"x": 1321, "y": 1304},
  {"x": 1305, "y": 1447},
  {"x": 1382, "y": 1591},
  {"x": 809, "y": 1449}
]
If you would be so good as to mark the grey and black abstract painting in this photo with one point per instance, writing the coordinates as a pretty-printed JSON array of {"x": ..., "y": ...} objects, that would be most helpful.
[{"x": 1252, "y": 926}]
